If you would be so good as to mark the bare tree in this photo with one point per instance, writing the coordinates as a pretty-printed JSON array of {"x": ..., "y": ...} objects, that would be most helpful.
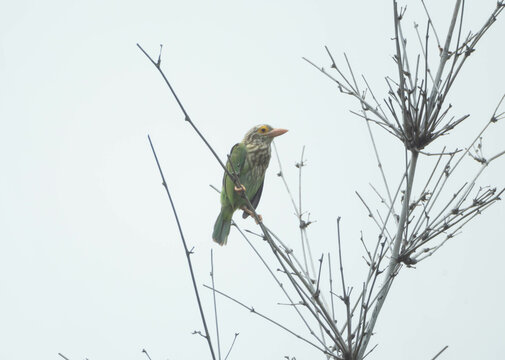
[{"x": 412, "y": 222}]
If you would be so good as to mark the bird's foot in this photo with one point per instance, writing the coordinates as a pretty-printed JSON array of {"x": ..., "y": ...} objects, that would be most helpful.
[
  {"x": 240, "y": 189},
  {"x": 260, "y": 218}
]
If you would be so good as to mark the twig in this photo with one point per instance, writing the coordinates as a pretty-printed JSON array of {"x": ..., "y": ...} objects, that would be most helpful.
[
  {"x": 379, "y": 165},
  {"x": 305, "y": 244},
  {"x": 368, "y": 353},
  {"x": 394, "y": 257},
  {"x": 285, "y": 262},
  {"x": 331, "y": 288},
  {"x": 281, "y": 174},
  {"x": 215, "y": 303},
  {"x": 348, "y": 91},
  {"x": 231, "y": 346},
  {"x": 319, "y": 273},
  {"x": 345, "y": 295},
  {"x": 302, "y": 225},
  {"x": 145, "y": 352},
  {"x": 443, "y": 58},
  {"x": 440, "y": 352},
  {"x": 187, "y": 252},
  {"x": 186, "y": 115},
  {"x": 280, "y": 285},
  {"x": 254, "y": 311},
  {"x": 304, "y": 285}
]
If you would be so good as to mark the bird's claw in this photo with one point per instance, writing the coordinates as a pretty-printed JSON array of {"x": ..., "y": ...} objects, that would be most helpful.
[
  {"x": 240, "y": 189},
  {"x": 260, "y": 218}
]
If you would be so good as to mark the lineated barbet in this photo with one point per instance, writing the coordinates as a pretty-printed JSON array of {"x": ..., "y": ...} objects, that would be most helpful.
[{"x": 250, "y": 160}]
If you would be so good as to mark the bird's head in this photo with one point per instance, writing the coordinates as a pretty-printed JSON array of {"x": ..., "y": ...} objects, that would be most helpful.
[{"x": 262, "y": 134}]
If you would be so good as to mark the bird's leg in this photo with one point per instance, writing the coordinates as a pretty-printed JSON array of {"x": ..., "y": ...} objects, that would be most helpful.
[
  {"x": 239, "y": 189},
  {"x": 245, "y": 209}
]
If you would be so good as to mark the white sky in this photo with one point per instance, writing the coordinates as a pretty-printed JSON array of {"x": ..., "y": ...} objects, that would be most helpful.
[{"x": 91, "y": 264}]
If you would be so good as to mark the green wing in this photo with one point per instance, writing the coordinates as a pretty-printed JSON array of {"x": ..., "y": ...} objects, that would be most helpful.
[
  {"x": 255, "y": 199},
  {"x": 254, "y": 187},
  {"x": 238, "y": 160}
]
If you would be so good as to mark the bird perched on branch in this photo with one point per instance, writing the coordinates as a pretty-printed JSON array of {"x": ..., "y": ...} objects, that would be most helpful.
[{"x": 248, "y": 160}]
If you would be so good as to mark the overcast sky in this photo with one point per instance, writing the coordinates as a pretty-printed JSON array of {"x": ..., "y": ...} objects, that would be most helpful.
[{"x": 91, "y": 264}]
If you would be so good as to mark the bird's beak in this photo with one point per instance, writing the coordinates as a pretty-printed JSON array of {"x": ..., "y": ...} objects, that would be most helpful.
[{"x": 276, "y": 132}]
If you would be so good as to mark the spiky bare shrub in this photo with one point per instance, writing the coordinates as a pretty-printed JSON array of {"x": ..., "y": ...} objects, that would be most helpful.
[{"x": 414, "y": 224}]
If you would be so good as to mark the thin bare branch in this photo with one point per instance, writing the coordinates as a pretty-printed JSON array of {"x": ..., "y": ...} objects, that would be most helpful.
[
  {"x": 281, "y": 285},
  {"x": 345, "y": 294},
  {"x": 186, "y": 250},
  {"x": 212, "y": 276},
  {"x": 394, "y": 257},
  {"x": 254, "y": 311},
  {"x": 440, "y": 352},
  {"x": 231, "y": 346},
  {"x": 144, "y": 350}
]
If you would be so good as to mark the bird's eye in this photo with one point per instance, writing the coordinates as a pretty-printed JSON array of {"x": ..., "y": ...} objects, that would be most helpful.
[{"x": 262, "y": 129}]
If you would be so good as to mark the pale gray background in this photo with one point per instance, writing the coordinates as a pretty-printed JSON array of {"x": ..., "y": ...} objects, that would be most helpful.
[{"x": 90, "y": 261}]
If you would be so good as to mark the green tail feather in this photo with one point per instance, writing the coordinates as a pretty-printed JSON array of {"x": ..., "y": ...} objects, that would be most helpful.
[{"x": 222, "y": 226}]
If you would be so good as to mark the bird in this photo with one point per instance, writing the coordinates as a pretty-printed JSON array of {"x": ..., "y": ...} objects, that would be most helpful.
[{"x": 248, "y": 159}]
